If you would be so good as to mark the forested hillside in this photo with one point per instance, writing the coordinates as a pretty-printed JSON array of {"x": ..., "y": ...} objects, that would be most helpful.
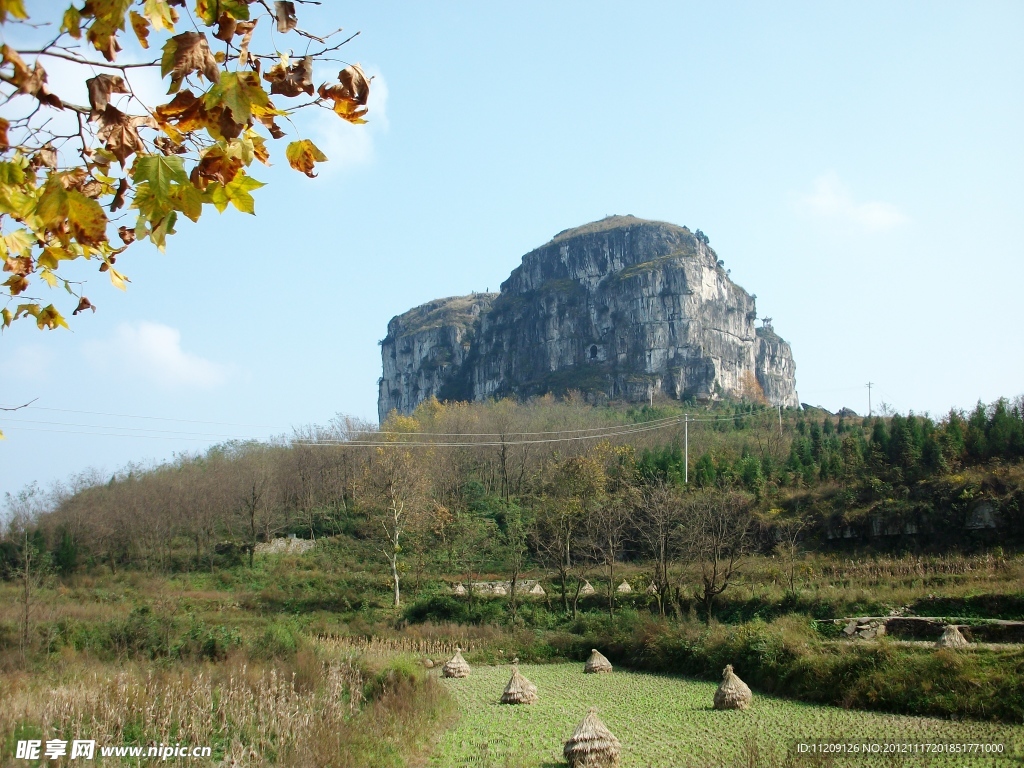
[{"x": 462, "y": 488}]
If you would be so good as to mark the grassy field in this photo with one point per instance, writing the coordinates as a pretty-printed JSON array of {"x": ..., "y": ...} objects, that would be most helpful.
[{"x": 667, "y": 721}]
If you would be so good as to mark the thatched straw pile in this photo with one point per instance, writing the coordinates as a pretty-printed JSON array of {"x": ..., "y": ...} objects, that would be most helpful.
[
  {"x": 951, "y": 638},
  {"x": 597, "y": 662},
  {"x": 653, "y": 589},
  {"x": 519, "y": 690},
  {"x": 538, "y": 590},
  {"x": 592, "y": 745},
  {"x": 587, "y": 588},
  {"x": 456, "y": 666},
  {"x": 732, "y": 693},
  {"x": 459, "y": 589},
  {"x": 624, "y": 588}
]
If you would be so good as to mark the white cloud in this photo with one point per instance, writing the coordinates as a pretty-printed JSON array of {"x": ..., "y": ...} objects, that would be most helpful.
[
  {"x": 29, "y": 361},
  {"x": 153, "y": 352},
  {"x": 347, "y": 145},
  {"x": 831, "y": 200}
]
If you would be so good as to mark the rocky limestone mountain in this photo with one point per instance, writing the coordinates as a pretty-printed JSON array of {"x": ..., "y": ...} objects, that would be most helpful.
[{"x": 622, "y": 307}]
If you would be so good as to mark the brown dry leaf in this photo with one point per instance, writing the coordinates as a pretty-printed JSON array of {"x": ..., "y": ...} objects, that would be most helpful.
[
  {"x": 4, "y": 143},
  {"x": 168, "y": 146},
  {"x": 45, "y": 157},
  {"x": 83, "y": 304},
  {"x": 187, "y": 53},
  {"x": 29, "y": 81},
  {"x": 127, "y": 235},
  {"x": 182, "y": 114},
  {"x": 218, "y": 166},
  {"x": 350, "y": 94},
  {"x": 245, "y": 28},
  {"x": 284, "y": 12},
  {"x": 19, "y": 265},
  {"x": 100, "y": 88},
  {"x": 291, "y": 80},
  {"x": 226, "y": 25},
  {"x": 16, "y": 284},
  {"x": 122, "y": 190},
  {"x": 120, "y": 132}
]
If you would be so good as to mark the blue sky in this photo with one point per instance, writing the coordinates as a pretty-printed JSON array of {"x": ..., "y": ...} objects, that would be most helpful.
[{"x": 858, "y": 166}]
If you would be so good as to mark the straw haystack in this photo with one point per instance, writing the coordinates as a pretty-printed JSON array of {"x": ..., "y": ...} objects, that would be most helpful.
[
  {"x": 624, "y": 588},
  {"x": 538, "y": 590},
  {"x": 456, "y": 666},
  {"x": 587, "y": 589},
  {"x": 732, "y": 693},
  {"x": 428, "y": 663},
  {"x": 952, "y": 638},
  {"x": 459, "y": 590},
  {"x": 592, "y": 745},
  {"x": 519, "y": 690},
  {"x": 653, "y": 589},
  {"x": 597, "y": 662},
  {"x": 499, "y": 590}
]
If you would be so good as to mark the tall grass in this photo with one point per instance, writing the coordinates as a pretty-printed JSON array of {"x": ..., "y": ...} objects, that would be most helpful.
[{"x": 324, "y": 709}]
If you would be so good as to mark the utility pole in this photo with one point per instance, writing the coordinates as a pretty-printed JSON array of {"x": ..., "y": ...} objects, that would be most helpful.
[
  {"x": 869, "y": 397},
  {"x": 686, "y": 449}
]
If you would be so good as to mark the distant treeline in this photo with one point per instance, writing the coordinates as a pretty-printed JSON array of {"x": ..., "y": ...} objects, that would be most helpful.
[{"x": 465, "y": 488}]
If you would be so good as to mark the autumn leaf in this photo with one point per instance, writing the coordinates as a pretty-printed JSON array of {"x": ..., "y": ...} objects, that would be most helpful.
[
  {"x": 159, "y": 172},
  {"x": 284, "y": 12},
  {"x": 350, "y": 94},
  {"x": 72, "y": 22},
  {"x": 84, "y": 304},
  {"x": 235, "y": 193},
  {"x": 160, "y": 14},
  {"x": 226, "y": 27},
  {"x": 218, "y": 164},
  {"x": 49, "y": 318},
  {"x": 108, "y": 18},
  {"x": 302, "y": 155},
  {"x": 18, "y": 265},
  {"x": 187, "y": 53},
  {"x": 121, "y": 132},
  {"x": 100, "y": 88},
  {"x": 240, "y": 93},
  {"x": 140, "y": 25},
  {"x": 13, "y": 7},
  {"x": 29, "y": 81},
  {"x": 4, "y": 125},
  {"x": 291, "y": 80},
  {"x": 86, "y": 218}
]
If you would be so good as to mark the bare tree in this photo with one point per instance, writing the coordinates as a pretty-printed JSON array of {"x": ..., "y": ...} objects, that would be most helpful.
[
  {"x": 607, "y": 526},
  {"x": 660, "y": 513},
  {"x": 399, "y": 489},
  {"x": 716, "y": 534}
]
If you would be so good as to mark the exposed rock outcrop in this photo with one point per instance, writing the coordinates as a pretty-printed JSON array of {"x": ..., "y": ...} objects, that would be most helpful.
[{"x": 622, "y": 307}]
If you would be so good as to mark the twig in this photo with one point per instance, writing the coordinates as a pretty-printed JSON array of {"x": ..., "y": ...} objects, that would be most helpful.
[{"x": 19, "y": 407}]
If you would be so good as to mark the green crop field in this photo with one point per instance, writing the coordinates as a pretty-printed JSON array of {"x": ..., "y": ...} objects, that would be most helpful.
[{"x": 667, "y": 721}]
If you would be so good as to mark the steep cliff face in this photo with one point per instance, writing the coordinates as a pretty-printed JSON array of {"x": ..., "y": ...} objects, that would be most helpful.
[{"x": 622, "y": 306}]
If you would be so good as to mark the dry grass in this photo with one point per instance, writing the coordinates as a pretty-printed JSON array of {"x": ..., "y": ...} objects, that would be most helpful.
[{"x": 309, "y": 711}]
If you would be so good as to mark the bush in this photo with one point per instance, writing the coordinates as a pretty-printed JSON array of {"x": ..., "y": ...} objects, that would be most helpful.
[{"x": 278, "y": 641}]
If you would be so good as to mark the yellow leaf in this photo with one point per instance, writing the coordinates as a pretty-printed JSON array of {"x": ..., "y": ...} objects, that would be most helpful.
[
  {"x": 118, "y": 279},
  {"x": 13, "y": 7},
  {"x": 303, "y": 155},
  {"x": 49, "y": 278},
  {"x": 141, "y": 27}
]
